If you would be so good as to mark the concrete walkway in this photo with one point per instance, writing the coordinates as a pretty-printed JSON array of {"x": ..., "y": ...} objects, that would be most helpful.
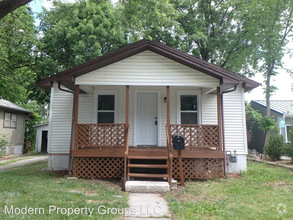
[
  {"x": 21, "y": 163},
  {"x": 147, "y": 206}
]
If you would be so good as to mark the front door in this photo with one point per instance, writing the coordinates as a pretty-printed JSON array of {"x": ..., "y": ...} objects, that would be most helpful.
[{"x": 146, "y": 132}]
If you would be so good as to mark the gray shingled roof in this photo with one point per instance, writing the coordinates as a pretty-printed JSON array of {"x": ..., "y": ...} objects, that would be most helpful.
[
  {"x": 9, "y": 105},
  {"x": 280, "y": 106}
]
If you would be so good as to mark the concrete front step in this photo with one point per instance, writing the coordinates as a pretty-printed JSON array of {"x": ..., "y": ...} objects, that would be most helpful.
[{"x": 147, "y": 186}]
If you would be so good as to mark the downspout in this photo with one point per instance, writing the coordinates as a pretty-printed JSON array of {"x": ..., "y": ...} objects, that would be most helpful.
[
  {"x": 72, "y": 125},
  {"x": 223, "y": 127}
]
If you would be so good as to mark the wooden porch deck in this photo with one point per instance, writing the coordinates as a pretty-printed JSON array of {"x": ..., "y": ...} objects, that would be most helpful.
[{"x": 146, "y": 151}]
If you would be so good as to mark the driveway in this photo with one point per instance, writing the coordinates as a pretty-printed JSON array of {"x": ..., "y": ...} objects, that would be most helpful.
[{"x": 22, "y": 163}]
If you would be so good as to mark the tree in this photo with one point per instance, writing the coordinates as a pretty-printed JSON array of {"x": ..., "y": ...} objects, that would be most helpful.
[
  {"x": 213, "y": 31},
  {"x": 272, "y": 29},
  {"x": 17, "y": 54},
  {"x": 153, "y": 20},
  {"x": 7, "y": 6},
  {"x": 76, "y": 33}
]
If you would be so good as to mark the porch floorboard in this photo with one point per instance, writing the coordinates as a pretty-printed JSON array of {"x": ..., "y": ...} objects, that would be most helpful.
[{"x": 146, "y": 151}]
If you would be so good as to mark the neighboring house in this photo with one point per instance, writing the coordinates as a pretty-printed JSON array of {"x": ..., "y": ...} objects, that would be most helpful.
[
  {"x": 129, "y": 103},
  {"x": 12, "y": 124},
  {"x": 42, "y": 138},
  {"x": 280, "y": 109}
]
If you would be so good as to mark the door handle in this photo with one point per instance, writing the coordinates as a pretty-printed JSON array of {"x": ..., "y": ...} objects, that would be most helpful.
[{"x": 156, "y": 123}]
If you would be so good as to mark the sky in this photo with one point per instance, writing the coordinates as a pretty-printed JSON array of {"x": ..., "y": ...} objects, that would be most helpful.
[{"x": 283, "y": 81}]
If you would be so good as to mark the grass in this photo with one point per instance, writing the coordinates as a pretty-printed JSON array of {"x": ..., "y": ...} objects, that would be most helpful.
[
  {"x": 263, "y": 192},
  {"x": 36, "y": 188}
]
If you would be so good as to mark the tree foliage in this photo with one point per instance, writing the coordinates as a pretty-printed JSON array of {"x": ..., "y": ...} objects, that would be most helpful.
[
  {"x": 272, "y": 29},
  {"x": 152, "y": 20},
  {"x": 17, "y": 54},
  {"x": 76, "y": 33}
]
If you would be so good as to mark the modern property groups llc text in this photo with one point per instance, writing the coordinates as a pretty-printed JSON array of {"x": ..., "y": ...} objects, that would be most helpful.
[{"x": 101, "y": 210}]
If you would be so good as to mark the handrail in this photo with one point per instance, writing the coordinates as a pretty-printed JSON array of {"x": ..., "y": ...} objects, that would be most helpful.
[{"x": 197, "y": 136}]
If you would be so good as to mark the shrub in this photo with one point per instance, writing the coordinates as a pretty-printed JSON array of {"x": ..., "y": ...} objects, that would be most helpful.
[
  {"x": 3, "y": 144},
  {"x": 275, "y": 146}
]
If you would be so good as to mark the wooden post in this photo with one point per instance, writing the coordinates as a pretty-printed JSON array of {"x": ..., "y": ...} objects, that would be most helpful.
[
  {"x": 223, "y": 132},
  {"x": 76, "y": 101},
  {"x": 168, "y": 105},
  {"x": 127, "y": 134},
  {"x": 180, "y": 168},
  {"x": 127, "y": 106},
  {"x": 219, "y": 110},
  {"x": 168, "y": 136}
]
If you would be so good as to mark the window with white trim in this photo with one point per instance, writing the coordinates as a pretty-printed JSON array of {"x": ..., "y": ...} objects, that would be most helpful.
[
  {"x": 106, "y": 109},
  {"x": 9, "y": 120},
  {"x": 188, "y": 109}
]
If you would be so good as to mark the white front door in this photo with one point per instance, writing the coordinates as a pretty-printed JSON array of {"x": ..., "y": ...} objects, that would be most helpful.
[{"x": 146, "y": 132}]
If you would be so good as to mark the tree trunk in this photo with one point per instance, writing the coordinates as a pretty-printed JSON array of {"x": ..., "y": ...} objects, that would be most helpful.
[
  {"x": 7, "y": 6},
  {"x": 268, "y": 110}
]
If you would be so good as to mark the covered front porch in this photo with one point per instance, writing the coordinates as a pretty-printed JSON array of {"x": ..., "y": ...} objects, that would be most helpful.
[{"x": 104, "y": 150}]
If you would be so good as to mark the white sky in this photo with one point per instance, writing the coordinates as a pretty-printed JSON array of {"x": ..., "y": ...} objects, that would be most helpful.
[{"x": 283, "y": 81}]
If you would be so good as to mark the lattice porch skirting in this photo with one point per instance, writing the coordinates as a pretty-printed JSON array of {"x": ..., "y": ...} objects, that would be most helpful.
[
  {"x": 199, "y": 168},
  {"x": 113, "y": 167},
  {"x": 98, "y": 167}
]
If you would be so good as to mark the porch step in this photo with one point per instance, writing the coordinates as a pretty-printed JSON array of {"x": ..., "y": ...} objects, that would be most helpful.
[
  {"x": 148, "y": 166},
  {"x": 148, "y": 157},
  {"x": 147, "y": 186},
  {"x": 148, "y": 175}
]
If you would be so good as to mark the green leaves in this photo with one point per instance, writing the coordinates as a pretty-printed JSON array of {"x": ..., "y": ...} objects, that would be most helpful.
[
  {"x": 17, "y": 54},
  {"x": 76, "y": 33}
]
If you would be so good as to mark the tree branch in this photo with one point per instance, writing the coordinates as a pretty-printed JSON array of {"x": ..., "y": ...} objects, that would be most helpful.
[{"x": 7, "y": 6}]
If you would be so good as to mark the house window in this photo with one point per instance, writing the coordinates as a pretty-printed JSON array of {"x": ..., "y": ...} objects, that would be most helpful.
[
  {"x": 106, "y": 109},
  {"x": 188, "y": 109},
  {"x": 9, "y": 120}
]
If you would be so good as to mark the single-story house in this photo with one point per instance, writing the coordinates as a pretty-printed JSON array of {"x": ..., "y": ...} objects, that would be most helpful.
[
  {"x": 128, "y": 104},
  {"x": 12, "y": 124},
  {"x": 42, "y": 138},
  {"x": 282, "y": 112}
]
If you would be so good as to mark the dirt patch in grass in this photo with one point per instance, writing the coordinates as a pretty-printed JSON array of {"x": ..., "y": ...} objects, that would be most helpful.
[
  {"x": 233, "y": 175},
  {"x": 281, "y": 185},
  {"x": 99, "y": 202},
  {"x": 59, "y": 173}
]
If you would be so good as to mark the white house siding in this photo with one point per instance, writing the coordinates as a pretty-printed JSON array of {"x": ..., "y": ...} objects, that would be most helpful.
[
  {"x": 234, "y": 124},
  {"x": 235, "y": 128},
  {"x": 209, "y": 109},
  {"x": 147, "y": 68},
  {"x": 60, "y": 121},
  {"x": 85, "y": 110}
]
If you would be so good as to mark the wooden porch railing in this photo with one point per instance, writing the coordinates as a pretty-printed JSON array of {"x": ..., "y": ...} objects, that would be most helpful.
[
  {"x": 101, "y": 135},
  {"x": 197, "y": 137}
]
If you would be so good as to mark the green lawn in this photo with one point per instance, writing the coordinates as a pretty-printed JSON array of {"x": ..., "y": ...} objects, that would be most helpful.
[
  {"x": 43, "y": 195},
  {"x": 264, "y": 192}
]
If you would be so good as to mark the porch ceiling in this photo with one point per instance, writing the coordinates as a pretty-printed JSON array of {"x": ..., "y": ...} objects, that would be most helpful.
[{"x": 227, "y": 78}]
